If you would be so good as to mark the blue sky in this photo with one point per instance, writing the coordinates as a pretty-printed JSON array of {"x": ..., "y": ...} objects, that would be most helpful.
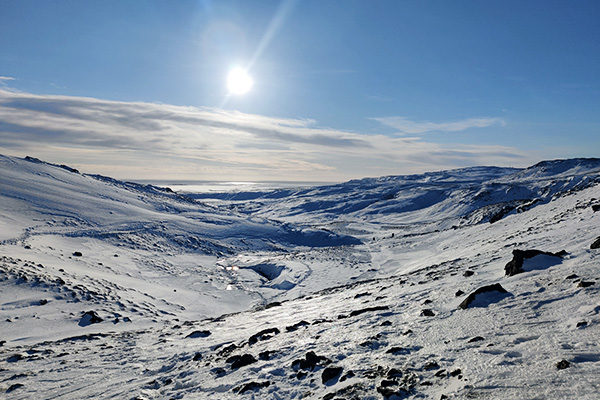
[{"x": 342, "y": 89}]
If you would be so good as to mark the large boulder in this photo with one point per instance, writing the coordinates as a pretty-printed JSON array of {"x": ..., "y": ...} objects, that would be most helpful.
[
  {"x": 545, "y": 259},
  {"x": 484, "y": 296}
]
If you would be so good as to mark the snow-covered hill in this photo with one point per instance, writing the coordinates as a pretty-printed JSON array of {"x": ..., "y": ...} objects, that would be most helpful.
[{"x": 354, "y": 291}]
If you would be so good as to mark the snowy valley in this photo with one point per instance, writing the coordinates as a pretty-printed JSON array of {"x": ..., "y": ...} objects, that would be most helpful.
[{"x": 478, "y": 283}]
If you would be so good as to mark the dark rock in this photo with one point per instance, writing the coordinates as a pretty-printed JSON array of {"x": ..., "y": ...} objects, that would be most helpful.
[
  {"x": 197, "y": 357},
  {"x": 266, "y": 355},
  {"x": 515, "y": 266},
  {"x": 225, "y": 351},
  {"x": 596, "y": 207},
  {"x": 296, "y": 326},
  {"x": 563, "y": 364},
  {"x": 368, "y": 309},
  {"x": 14, "y": 387},
  {"x": 14, "y": 358},
  {"x": 459, "y": 293},
  {"x": 77, "y": 254},
  {"x": 596, "y": 244},
  {"x": 240, "y": 361},
  {"x": 584, "y": 284},
  {"x": 199, "y": 334},
  {"x": 90, "y": 317},
  {"x": 572, "y": 276},
  {"x": 347, "y": 375},
  {"x": 358, "y": 296},
  {"x": 310, "y": 362},
  {"x": 441, "y": 373},
  {"x": 388, "y": 383},
  {"x": 265, "y": 334},
  {"x": 466, "y": 274},
  {"x": 251, "y": 386},
  {"x": 43, "y": 302},
  {"x": 456, "y": 372},
  {"x": 331, "y": 374},
  {"x": 582, "y": 324},
  {"x": 476, "y": 339},
  {"x": 431, "y": 365},
  {"x": 219, "y": 372},
  {"x": 273, "y": 304},
  {"x": 496, "y": 290},
  {"x": 386, "y": 323},
  {"x": 389, "y": 393},
  {"x": 394, "y": 373},
  {"x": 427, "y": 313},
  {"x": 397, "y": 350}
]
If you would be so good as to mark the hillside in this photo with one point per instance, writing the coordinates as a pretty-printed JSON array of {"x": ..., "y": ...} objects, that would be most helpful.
[{"x": 353, "y": 291}]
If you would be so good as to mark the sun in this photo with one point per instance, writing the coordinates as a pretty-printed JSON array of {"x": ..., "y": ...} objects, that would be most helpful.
[{"x": 238, "y": 81}]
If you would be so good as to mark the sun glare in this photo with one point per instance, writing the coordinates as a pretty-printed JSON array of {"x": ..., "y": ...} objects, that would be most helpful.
[{"x": 239, "y": 82}]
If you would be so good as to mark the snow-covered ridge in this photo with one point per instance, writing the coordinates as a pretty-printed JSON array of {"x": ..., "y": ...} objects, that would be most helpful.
[
  {"x": 104, "y": 293},
  {"x": 448, "y": 198}
]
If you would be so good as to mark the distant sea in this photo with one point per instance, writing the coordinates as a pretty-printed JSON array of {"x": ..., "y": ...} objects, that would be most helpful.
[{"x": 222, "y": 186}]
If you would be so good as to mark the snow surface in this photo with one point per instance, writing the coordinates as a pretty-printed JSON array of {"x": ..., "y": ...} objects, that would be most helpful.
[{"x": 259, "y": 295}]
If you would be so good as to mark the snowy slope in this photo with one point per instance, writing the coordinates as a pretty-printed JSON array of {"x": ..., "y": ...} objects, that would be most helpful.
[{"x": 375, "y": 319}]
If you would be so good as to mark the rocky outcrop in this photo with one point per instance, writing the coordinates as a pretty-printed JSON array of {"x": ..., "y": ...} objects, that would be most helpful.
[{"x": 515, "y": 266}]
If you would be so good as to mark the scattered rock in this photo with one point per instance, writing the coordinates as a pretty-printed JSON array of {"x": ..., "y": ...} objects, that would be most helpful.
[
  {"x": 225, "y": 351},
  {"x": 368, "y": 309},
  {"x": 310, "y": 362},
  {"x": 397, "y": 350},
  {"x": 197, "y": 357},
  {"x": 596, "y": 244},
  {"x": 359, "y": 295},
  {"x": 456, "y": 372},
  {"x": 468, "y": 273},
  {"x": 77, "y": 254},
  {"x": 427, "y": 312},
  {"x": 266, "y": 355},
  {"x": 273, "y": 304},
  {"x": 386, "y": 323},
  {"x": 596, "y": 207},
  {"x": 484, "y": 296},
  {"x": 331, "y": 374},
  {"x": 265, "y": 334},
  {"x": 431, "y": 365},
  {"x": 14, "y": 358},
  {"x": 515, "y": 266},
  {"x": 43, "y": 302},
  {"x": 584, "y": 284},
  {"x": 14, "y": 387},
  {"x": 296, "y": 326},
  {"x": 239, "y": 361},
  {"x": 563, "y": 364},
  {"x": 572, "y": 276},
  {"x": 582, "y": 324},
  {"x": 476, "y": 339},
  {"x": 89, "y": 317},
  {"x": 251, "y": 386},
  {"x": 459, "y": 293},
  {"x": 199, "y": 334}
]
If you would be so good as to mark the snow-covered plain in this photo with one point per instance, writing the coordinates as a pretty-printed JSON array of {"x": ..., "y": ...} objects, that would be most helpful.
[{"x": 352, "y": 291}]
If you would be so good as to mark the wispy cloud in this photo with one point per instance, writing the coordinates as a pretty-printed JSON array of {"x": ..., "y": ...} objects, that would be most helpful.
[
  {"x": 4, "y": 80},
  {"x": 406, "y": 126},
  {"x": 147, "y": 140}
]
